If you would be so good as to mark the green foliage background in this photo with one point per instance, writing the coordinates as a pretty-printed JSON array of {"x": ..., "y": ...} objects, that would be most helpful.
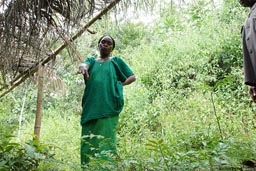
[{"x": 188, "y": 110}]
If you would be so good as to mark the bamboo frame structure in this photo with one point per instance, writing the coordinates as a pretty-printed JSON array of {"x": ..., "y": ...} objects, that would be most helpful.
[{"x": 22, "y": 77}]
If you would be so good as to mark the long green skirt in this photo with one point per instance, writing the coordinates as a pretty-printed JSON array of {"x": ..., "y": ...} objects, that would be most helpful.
[{"x": 98, "y": 139}]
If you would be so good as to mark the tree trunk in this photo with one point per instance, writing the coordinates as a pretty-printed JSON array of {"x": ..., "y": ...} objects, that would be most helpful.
[{"x": 39, "y": 105}]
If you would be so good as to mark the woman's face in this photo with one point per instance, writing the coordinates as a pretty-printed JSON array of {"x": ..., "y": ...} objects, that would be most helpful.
[
  {"x": 106, "y": 46},
  {"x": 247, "y": 3}
]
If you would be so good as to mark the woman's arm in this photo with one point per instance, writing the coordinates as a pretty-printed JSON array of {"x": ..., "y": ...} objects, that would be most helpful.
[{"x": 129, "y": 80}]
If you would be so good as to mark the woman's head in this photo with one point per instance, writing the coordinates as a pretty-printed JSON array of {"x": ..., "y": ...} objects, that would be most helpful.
[
  {"x": 106, "y": 45},
  {"x": 113, "y": 41},
  {"x": 247, "y": 3}
]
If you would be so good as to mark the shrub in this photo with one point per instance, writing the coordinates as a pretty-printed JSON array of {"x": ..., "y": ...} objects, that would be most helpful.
[{"x": 17, "y": 157}]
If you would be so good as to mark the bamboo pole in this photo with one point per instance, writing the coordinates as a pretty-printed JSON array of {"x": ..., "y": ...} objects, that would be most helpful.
[
  {"x": 39, "y": 105},
  {"x": 22, "y": 77}
]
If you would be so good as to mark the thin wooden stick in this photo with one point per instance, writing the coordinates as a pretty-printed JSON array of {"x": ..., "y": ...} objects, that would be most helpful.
[
  {"x": 22, "y": 77},
  {"x": 217, "y": 118},
  {"x": 21, "y": 113}
]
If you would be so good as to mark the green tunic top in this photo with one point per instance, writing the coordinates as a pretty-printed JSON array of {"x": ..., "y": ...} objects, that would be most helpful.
[{"x": 103, "y": 94}]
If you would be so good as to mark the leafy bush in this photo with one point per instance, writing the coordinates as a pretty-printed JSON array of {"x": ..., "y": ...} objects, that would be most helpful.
[
  {"x": 14, "y": 156},
  {"x": 221, "y": 62}
]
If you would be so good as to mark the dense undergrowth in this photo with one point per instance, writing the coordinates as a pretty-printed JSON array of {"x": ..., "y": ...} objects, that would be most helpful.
[{"x": 188, "y": 110}]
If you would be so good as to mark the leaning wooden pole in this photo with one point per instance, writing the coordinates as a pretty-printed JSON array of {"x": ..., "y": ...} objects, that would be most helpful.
[
  {"x": 39, "y": 105},
  {"x": 22, "y": 77}
]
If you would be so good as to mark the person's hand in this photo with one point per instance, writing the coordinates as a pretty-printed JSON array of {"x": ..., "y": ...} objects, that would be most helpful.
[
  {"x": 253, "y": 93},
  {"x": 83, "y": 70}
]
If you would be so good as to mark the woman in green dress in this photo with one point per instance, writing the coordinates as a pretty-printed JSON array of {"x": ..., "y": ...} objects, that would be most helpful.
[{"x": 102, "y": 100}]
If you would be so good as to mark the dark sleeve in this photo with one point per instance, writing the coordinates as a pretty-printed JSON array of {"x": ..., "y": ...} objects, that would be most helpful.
[{"x": 249, "y": 49}]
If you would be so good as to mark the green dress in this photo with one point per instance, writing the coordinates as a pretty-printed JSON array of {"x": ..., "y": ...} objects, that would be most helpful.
[{"x": 101, "y": 104}]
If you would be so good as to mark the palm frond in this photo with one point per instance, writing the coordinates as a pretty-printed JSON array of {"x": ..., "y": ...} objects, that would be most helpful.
[{"x": 26, "y": 26}]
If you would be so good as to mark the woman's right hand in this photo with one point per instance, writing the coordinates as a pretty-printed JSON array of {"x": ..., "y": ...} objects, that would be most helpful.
[
  {"x": 253, "y": 93},
  {"x": 83, "y": 69}
]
